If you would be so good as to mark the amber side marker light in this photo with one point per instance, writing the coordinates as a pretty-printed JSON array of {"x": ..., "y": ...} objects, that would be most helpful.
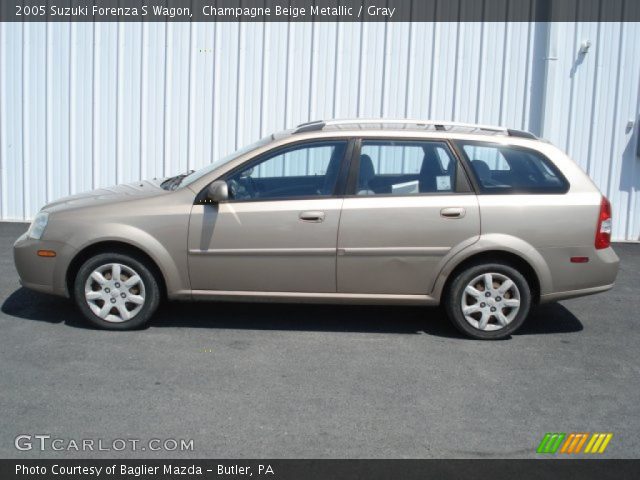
[{"x": 46, "y": 253}]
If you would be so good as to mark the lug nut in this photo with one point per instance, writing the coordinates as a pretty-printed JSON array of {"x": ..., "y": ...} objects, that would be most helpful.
[
  {"x": 107, "y": 290},
  {"x": 113, "y": 300},
  {"x": 493, "y": 309},
  {"x": 482, "y": 305},
  {"x": 123, "y": 295},
  {"x": 498, "y": 299},
  {"x": 117, "y": 285},
  {"x": 487, "y": 294}
]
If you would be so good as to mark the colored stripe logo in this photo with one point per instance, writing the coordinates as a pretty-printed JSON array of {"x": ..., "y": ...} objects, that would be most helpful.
[{"x": 573, "y": 443}]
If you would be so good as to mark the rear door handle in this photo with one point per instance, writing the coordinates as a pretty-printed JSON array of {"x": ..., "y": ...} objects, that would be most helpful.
[
  {"x": 452, "y": 212},
  {"x": 313, "y": 216}
]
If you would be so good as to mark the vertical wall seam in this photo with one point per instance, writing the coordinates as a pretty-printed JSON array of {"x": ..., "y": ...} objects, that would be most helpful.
[
  {"x": 312, "y": 73},
  {"x": 480, "y": 88},
  {"x": 240, "y": 85},
  {"x": 191, "y": 98},
  {"x": 360, "y": 66},
  {"x": 166, "y": 107},
  {"x": 456, "y": 76},
  {"x": 72, "y": 109},
  {"x": 337, "y": 64},
  {"x": 144, "y": 99},
  {"x": 287, "y": 103},
  {"x": 263, "y": 75},
  {"x": 385, "y": 57},
  {"x": 572, "y": 82},
  {"x": 215, "y": 86},
  {"x": 594, "y": 97},
  {"x": 26, "y": 151},
  {"x": 432, "y": 70},
  {"x": 527, "y": 76},
  {"x": 616, "y": 109},
  {"x": 48, "y": 120},
  {"x": 118, "y": 107},
  {"x": 94, "y": 109},
  {"x": 408, "y": 92},
  {"x": 503, "y": 76}
]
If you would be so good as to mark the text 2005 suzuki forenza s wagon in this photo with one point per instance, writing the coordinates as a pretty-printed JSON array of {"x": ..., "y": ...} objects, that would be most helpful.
[{"x": 484, "y": 220}]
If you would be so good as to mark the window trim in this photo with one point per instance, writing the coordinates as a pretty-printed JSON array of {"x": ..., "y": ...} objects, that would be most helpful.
[
  {"x": 481, "y": 190},
  {"x": 462, "y": 185},
  {"x": 338, "y": 190}
]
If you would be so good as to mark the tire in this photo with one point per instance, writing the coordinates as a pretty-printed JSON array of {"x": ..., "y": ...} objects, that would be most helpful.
[
  {"x": 133, "y": 293},
  {"x": 494, "y": 313}
]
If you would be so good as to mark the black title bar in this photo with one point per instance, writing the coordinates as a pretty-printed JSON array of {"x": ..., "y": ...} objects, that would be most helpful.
[
  {"x": 319, "y": 469},
  {"x": 319, "y": 10}
]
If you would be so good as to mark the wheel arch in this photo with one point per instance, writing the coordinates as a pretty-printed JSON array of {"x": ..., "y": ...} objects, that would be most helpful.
[
  {"x": 113, "y": 246},
  {"x": 502, "y": 248},
  {"x": 499, "y": 256}
]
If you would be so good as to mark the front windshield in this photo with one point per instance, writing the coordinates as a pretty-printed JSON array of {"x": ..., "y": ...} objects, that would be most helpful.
[{"x": 193, "y": 176}]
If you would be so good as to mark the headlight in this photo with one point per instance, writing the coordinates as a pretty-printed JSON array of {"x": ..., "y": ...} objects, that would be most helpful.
[{"x": 36, "y": 229}]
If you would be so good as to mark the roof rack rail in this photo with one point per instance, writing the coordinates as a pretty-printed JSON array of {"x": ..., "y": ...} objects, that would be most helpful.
[
  {"x": 521, "y": 133},
  {"x": 310, "y": 126},
  {"x": 436, "y": 124}
]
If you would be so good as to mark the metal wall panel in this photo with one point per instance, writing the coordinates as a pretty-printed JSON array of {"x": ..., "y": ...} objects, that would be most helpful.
[
  {"x": 591, "y": 98},
  {"x": 88, "y": 105}
]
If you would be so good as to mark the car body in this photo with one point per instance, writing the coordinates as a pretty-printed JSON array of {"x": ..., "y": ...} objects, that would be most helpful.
[{"x": 351, "y": 211}]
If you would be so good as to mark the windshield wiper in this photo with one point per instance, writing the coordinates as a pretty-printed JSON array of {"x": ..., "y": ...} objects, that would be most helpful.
[{"x": 173, "y": 182}]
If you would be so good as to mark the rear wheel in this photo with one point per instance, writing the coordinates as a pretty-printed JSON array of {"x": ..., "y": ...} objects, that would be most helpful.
[
  {"x": 115, "y": 291},
  {"x": 488, "y": 301}
]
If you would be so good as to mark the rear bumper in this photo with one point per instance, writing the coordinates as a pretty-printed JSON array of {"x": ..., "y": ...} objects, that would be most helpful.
[
  {"x": 572, "y": 280},
  {"x": 552, "y": 297}
]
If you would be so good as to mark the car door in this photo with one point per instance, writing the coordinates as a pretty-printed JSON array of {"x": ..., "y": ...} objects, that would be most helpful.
[
  {"x": 409, "y": 206},
  {"x": 278, "y": 230}
]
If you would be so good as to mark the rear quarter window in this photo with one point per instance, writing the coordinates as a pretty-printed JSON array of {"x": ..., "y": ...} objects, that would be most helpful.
[{"x": 509, "y": 169}]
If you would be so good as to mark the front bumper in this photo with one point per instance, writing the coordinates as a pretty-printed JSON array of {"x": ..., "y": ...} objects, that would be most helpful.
[{"x": 43, "y": 274}]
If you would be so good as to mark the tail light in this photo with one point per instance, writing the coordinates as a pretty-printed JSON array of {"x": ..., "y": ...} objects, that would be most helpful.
[{"x": 603, "y": 232}]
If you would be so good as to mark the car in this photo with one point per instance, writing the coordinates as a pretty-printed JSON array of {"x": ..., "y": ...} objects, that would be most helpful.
[{"x": 485, "y": 221}]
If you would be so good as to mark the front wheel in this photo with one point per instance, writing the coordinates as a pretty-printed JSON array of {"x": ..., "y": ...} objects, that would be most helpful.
[
  {"x": 115, "y": 291},
  {"x": 488, "y": 301}
]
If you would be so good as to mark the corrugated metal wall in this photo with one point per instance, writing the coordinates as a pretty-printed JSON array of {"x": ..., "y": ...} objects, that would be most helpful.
[{"x": 86, "y": 105}]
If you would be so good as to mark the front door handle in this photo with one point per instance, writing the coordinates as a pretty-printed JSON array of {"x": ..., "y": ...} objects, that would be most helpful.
[
  {"x": 452, "y": 212},
  {"x": 313, "y": 216}
]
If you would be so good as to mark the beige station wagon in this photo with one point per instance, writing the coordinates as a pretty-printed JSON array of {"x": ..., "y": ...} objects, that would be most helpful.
[{"x": 485, "y": 221}]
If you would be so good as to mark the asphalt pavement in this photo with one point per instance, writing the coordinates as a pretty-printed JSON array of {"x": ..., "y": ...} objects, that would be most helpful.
[{"x": 308, "y": 381}]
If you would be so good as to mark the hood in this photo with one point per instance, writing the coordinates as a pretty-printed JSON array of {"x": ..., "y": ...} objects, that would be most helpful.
[{"x": 101, "y": 196}]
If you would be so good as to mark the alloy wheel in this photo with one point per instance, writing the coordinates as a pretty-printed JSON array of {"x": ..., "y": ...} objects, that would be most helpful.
[
  {"x": 490, "y": 301},
  {"x": 115, "y": 292}
]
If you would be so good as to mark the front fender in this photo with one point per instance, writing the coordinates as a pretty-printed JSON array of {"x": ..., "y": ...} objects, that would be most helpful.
[{"x": 176, "y": 279}]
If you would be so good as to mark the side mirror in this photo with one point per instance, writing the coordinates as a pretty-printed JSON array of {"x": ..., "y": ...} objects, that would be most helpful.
[{"x": 218, "y": 191}]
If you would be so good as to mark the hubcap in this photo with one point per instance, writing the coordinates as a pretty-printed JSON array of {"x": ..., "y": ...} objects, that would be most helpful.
[
  {"x": 114, "y": 292},
  {"x": 490, "y": 301}
]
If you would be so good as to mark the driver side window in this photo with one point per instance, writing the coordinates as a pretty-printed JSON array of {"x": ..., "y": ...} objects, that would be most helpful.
[{"x": 307, "y": 170}]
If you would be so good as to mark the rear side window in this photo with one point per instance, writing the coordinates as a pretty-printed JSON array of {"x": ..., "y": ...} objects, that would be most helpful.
[
  {"x": 509, "y": 169},
  {"x": 399, "y": 167}
]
